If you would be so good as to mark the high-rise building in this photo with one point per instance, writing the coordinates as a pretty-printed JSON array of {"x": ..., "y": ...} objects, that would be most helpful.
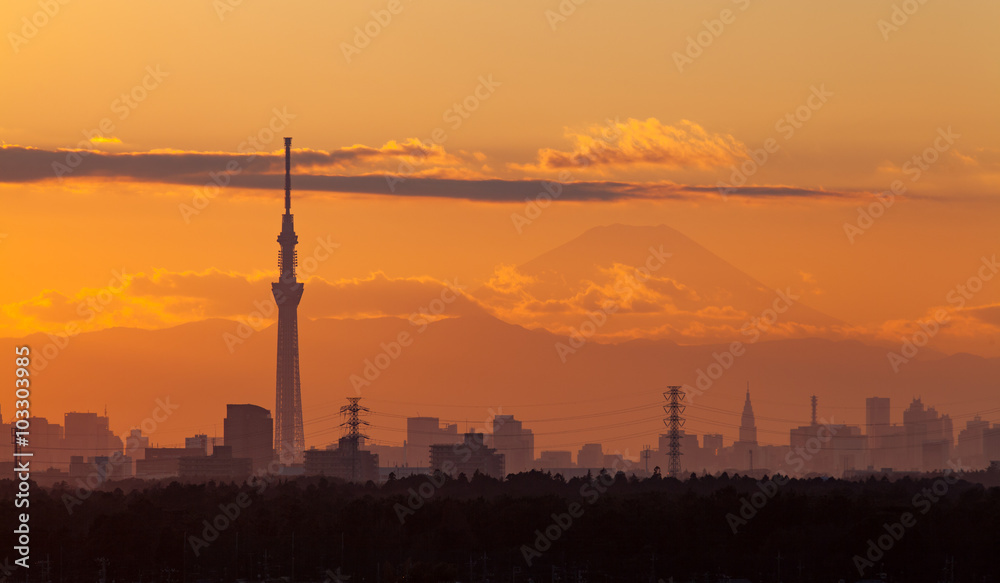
[
  {"x": 748, "y": 428},
  {"x": 712, "y": 443},
  {"x": 135, "y": 445},
  {"x": 591, "y": 456},
  {"x": 924, "y": 425},
  {"x": 248, "y": 429},
  {"x": 289, "y": 436},
  {"x": 516, "y": 443},
  {"x": 876, "y": 428},
  {"x": 421, "y": 433},
  {"x": 970, "y": 443},
  {"x": 199, "y": 441},
  {"x": 991, "y": 443},
  {"x": 388, "y": 455},
  {"x": 48, "y": 448},
  {"x": 827, "y": 448},
  {"x": 88, "y": 435}
]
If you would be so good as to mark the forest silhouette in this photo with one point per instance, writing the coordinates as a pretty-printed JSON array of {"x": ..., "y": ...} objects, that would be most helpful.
[{"x": 535, "y": 526}]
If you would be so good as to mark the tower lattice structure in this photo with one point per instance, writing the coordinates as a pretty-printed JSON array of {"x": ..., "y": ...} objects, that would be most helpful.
[
  {"x": 289, "y": 437},
  {"x": 351, "y": 441},
  {"x": 353, "y": 422},
  {"x": 674, "y": 422}
]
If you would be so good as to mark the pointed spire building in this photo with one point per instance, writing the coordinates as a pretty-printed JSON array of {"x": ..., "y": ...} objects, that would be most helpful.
[{"x": 748, "y": 427}]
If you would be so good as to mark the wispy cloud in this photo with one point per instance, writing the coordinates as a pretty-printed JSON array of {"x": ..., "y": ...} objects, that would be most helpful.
[{"x": 433, "y": 172}]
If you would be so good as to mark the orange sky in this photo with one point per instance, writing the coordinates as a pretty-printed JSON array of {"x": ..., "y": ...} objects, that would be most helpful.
[{"x": 838, "y": 102}]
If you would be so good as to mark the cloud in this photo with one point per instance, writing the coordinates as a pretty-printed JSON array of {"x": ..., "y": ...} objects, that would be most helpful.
[
  {"x": 627, "y": 303},
  {"x": 28, "y": 164},
  {"x": 657, "y": 307},
  {"x": 407, "y": 169},
  {"x": 642, "y": 143},
  {"x": 166, "y": 298}
]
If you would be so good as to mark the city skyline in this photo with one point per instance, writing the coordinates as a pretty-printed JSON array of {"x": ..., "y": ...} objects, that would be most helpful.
[{"x": 874, "y": 446}]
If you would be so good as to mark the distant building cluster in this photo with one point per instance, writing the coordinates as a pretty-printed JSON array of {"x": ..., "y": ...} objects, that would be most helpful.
[
  {"x": 85, "y": 448},
  {"x": 924, "y": 442}
]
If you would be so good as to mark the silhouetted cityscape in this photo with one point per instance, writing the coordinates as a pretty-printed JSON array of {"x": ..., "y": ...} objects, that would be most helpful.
[{"x": 926, "y": 441}]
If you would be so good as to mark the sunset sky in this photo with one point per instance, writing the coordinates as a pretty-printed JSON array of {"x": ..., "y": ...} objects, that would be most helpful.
[{"x": 763, "y": 131}]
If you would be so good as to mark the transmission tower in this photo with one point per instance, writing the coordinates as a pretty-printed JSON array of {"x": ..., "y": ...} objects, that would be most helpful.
[
  {"x": 674, "y": 421},
  {"x": 353, "y": 422},
  {"x": 814, "y": 403}
]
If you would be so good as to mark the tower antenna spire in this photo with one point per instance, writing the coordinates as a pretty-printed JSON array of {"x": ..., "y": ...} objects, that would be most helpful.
[
  {"x": 288, "y": 175},
  {"x": 289, "y": 438}
]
